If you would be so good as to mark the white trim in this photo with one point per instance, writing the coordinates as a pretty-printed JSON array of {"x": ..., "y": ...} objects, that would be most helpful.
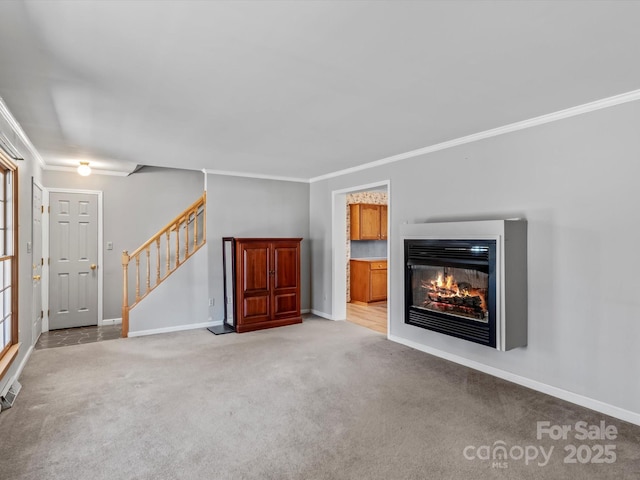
[
  {"x": 23, "y": 363},
  {"x": 322, "y": 314},
  {"x": 177, "y": 328},
  {"x": 305, "y": 310},
  {"x": 44, "y": 271},
  {"x": 17, "y": 129},
  {"x": 94, "y": 171},
  {"x": 494, "y": 132},
  {"x": 111, "y": 321},
  {"x": 45, "y": 254},
  {"x": 338, "y": 255},
  {"x": 598, "y": 406},
  {"x": 205, "y": 178},
  {"x": 99, "y": 194},
  {"x": 255, "y": 175},
  {"x": 73, "y": 190}
]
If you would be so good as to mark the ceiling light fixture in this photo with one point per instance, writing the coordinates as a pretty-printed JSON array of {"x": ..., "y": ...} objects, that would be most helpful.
[{"x": 84, "y": 169}]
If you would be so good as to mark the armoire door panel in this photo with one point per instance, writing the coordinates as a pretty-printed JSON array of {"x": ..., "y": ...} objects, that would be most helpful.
[
  {"x": 285, "y": 304},
  {"x": 286, "y": 260},
  {"x": 255, "y": 309},
  {"x": 255, "y": 268}
]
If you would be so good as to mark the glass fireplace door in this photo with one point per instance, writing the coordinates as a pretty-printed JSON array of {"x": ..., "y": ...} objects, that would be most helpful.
[{"x": 450, "y": 287}]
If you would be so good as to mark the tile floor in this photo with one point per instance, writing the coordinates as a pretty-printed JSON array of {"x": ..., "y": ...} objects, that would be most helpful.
[{"x": 79, "y": 335}]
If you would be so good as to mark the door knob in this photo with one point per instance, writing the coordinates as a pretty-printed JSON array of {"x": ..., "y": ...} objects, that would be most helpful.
[
  {"x": 93, "y": 266},
  {"x": 36, "y": 277}
]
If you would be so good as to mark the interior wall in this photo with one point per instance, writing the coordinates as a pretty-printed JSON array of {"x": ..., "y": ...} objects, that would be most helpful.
[
  {"x": 250, "y": 207},
  {"x": 28, "y": 170},
  {"x": 180, "y": 302},
  {"x": 575, "y": 181},
  {"x": 135, "y": 208}
]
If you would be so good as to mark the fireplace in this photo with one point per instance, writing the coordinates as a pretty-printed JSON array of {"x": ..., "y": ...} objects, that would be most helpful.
[
  {"x": 451, "y": 287},
  {"x": 468, "y": 280}
]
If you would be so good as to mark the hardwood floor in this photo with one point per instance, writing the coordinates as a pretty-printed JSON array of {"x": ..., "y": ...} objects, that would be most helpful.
[{"x": 372, "y": 316}]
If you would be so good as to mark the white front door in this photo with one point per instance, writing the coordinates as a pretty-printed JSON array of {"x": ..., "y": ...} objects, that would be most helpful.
[
  {"x": 37, "y": 261},
  {"x": 73, "y": 247}
]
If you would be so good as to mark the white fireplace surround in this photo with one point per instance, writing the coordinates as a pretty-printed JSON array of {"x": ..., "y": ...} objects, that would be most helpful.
[{"x": 511, "y": 268}]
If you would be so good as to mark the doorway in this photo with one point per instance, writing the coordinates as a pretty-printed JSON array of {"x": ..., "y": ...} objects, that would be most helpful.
[
  {"x": 374, "y": 315},
  {"x": 75, "y": 257}
]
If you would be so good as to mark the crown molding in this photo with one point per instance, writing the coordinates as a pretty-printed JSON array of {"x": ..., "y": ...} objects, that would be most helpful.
[
  {"x": 513, "y": 127},
  {"x": 94, "y": 171},
  {"x": 17, "y": 129},
  {"x": 255, "y": 175},
  {"x": 494, "y": 132}
]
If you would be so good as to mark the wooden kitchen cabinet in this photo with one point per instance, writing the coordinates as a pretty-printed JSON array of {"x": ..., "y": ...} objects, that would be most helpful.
[
  {"x": 267, "y": 279},
  {"x": 368, "y": 280},
  {"x": 368, "y": 221}
]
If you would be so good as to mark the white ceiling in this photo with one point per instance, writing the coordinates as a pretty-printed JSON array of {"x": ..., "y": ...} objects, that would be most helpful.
[{"x": 298, "y": 88}]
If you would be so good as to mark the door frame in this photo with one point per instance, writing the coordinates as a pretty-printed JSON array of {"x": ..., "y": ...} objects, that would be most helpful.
[
  {"x": 339, "y": 249},
  {"x": 46, "y": 253},
  {"x": 45, "y": 240}
]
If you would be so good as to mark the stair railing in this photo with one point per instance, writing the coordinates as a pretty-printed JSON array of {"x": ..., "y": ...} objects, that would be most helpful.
[{"x": 162, "y": 254}]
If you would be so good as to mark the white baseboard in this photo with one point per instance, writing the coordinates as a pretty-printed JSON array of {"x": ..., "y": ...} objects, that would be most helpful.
[
  {"x": 177, "y": 328},
  {"x": 23, "y": 363},
  {"x": 111, "y": 321},
  {"x": 598, "y": 406},
  {"x": 305, "y": 310},
  {"x": 322, "y": 314}
]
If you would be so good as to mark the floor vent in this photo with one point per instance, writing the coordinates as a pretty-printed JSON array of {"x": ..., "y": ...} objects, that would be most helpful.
[{"x": 10, "y": 396}]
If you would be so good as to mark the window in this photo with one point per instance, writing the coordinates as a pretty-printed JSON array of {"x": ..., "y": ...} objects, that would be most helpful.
[{"x": 8, "y": 263}]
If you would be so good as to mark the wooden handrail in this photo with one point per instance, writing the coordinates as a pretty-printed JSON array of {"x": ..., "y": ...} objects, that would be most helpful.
[
  {"x": 198, "y": 203},
  {"x": 188, "y": 219}
]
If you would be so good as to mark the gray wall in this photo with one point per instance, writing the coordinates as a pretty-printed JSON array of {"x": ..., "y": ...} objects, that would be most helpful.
[
  {"x": 576, "y": 182},
  {"x": 180, "y": 302},
  {"x": 28, "y": 169},
  {"x": 249, "y": 207},
  {"x": 135, "y": 208}
]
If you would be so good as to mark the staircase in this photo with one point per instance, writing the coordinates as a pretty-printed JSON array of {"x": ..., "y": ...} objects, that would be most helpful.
[{"x": 156, "y": 259}]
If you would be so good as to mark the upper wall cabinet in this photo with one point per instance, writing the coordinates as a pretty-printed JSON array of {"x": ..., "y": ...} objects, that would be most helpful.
[{"x": 368, "y": 222}]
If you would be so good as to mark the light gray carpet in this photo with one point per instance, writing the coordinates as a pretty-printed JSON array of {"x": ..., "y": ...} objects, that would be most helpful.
[{"x": 321, "y": 400}]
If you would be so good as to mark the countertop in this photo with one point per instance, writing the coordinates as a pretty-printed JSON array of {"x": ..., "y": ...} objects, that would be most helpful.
[{"x": 370, "y": 259}]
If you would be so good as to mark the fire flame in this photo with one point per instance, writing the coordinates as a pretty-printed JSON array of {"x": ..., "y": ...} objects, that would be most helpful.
[
  {"x": 449, "y": 284},
  {"x": 446, "y": 287}
]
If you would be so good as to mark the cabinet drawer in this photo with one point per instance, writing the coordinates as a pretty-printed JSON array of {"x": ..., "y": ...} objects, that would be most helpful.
[{"x": 378, "y": 265}]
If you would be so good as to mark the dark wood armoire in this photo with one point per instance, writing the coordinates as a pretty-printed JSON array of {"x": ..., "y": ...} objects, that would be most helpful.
[{"x": 267, "y": 276}]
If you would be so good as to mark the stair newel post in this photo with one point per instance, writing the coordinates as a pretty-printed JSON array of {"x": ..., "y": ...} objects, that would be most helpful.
[{"x": 125, "y": 294}]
